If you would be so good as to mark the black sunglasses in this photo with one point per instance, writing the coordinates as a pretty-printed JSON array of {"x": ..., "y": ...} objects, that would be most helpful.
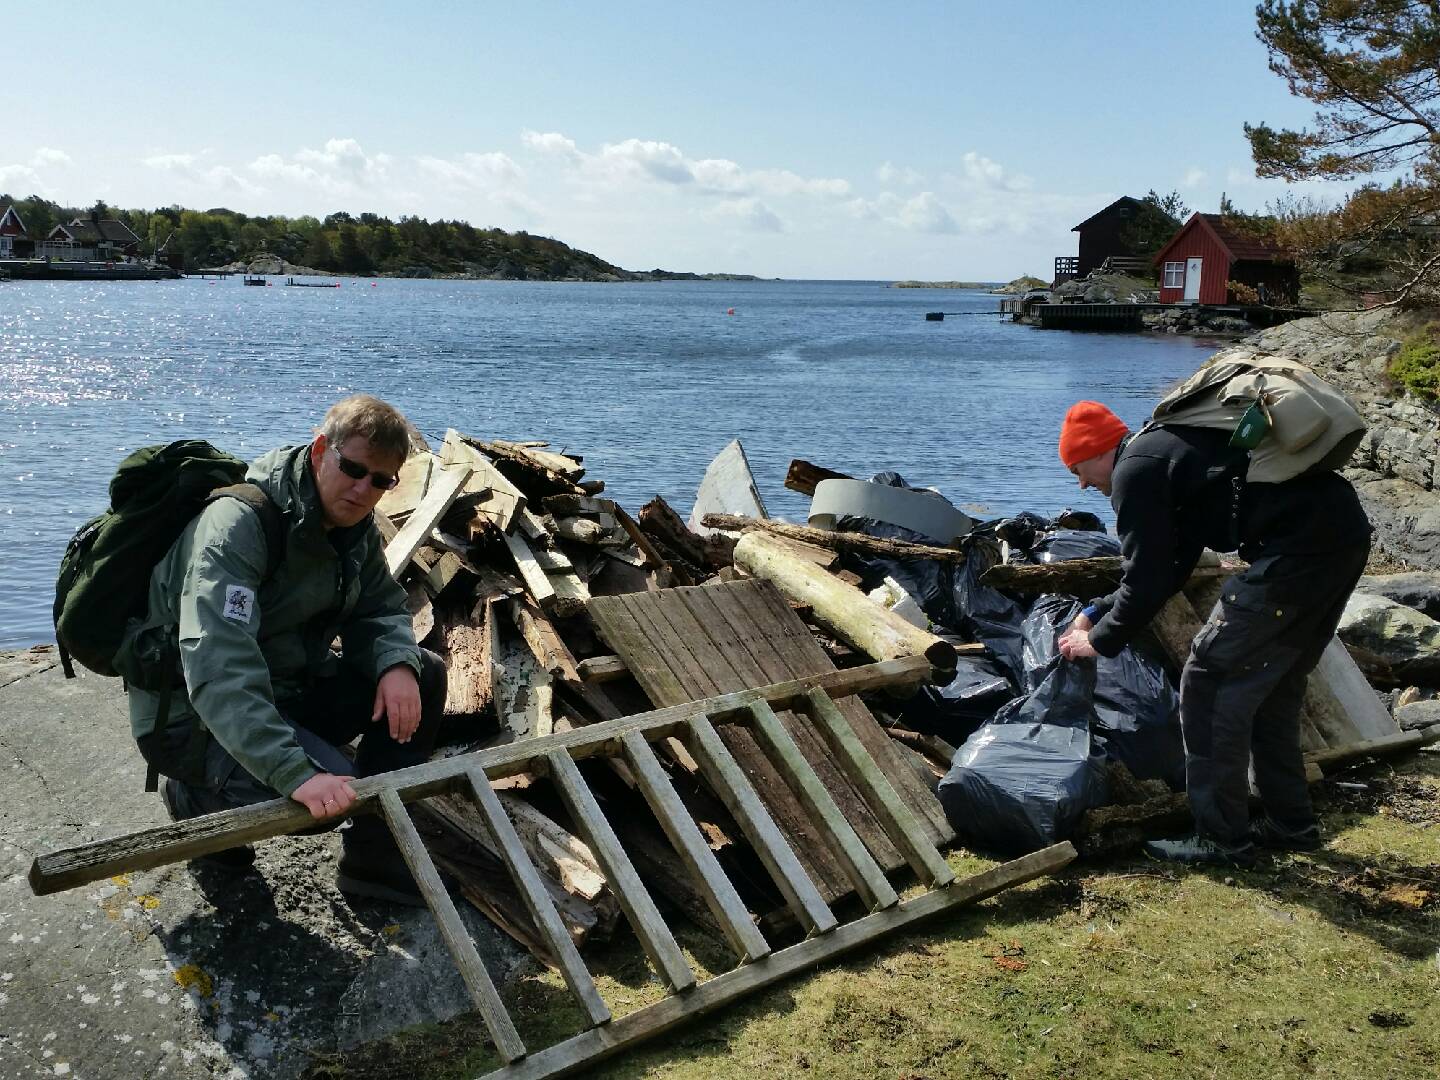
[{"x": 383, "y": 480}]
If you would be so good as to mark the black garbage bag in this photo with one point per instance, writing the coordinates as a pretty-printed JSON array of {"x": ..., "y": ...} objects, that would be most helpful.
[
  {"x": 986, "y": 614},
  {"x": 928, "y": 581},
  {"x": 1060, "y": 544},
  {"x": 1083, "y": 520},
  {"x": 968, "y": 700},
  {"x": 1022, "y": 781},
  {"x": 1137, "y": 710},
  {"x": 1022, "y": 530}
]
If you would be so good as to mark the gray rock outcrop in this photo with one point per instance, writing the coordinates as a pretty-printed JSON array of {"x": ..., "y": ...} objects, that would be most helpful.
[
  {"x": 1417, "y": 714},
  {"x": 1405, "y": 639},
  {"x": 1418, "y": 589}
]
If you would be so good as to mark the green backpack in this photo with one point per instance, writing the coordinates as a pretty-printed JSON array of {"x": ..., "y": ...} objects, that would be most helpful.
[{"x": 104, "y": 576}]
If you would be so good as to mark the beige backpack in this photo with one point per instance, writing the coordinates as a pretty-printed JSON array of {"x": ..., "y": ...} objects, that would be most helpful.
[{"x": 1291, "y": 420}]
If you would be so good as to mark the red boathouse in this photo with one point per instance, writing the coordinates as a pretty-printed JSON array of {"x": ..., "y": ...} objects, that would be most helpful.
[{"x": 1210, "y": 251}]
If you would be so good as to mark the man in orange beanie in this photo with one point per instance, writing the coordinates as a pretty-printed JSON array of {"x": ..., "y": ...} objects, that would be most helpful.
[{"x": 1177, "y": 490}]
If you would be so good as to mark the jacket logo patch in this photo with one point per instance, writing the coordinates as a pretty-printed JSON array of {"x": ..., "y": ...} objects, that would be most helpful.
[{"x": 239, "y": 603}]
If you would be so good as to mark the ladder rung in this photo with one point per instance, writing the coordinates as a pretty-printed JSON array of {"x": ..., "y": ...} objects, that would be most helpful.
[
  {"x": 739, "y": 797},
  {"x": 635, "y": 901},
  {"x": 863, "y": 871},
  {"x": 457, "y": 938},
  {"x": 852, "y": 757},
  {"x": 537, "y": 900},
  {"x": 724, "y": 902}
]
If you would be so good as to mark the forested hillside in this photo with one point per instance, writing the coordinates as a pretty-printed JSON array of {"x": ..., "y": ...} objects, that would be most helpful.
[{"x": 363, "y": 244}]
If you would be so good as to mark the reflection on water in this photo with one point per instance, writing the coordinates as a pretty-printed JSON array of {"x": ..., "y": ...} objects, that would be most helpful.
[{"x": 647, "y": 381}]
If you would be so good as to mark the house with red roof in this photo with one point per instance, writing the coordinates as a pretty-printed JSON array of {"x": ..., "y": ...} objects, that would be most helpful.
[
  {"x": 14, "y": 240},
  {"x": 1211, "y": 251}
]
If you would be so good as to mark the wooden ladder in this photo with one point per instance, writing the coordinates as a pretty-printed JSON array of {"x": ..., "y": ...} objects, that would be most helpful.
[{"x": 630, "y": 739}]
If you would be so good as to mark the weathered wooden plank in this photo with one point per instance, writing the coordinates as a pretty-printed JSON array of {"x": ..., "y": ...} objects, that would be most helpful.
[
  {"x": 537, "y": 582},
  {"x": 755, "y": 642},
  {"x": 920, "y": 853},
  {"x": 841, "y": 608},
  {"x": 443, "y": 489},
  {"x": 181, "y": 840},
  {"x": 802, "y": 476},
  {"x": 599, "y": 669},
  {"x": 725, "y": 903},
  {"x": 590, "y": 1047},
  {"x": 840, "y": 541},
  {"x": 1396, "y": 743},
  {"x": 504, "y": 500},
  {"x": 572, "y": 968},
  {"x": 655, "y": 937},
  {"x": 414, "y": 479},
  {"x": 794, "y": 651},
  {"x": 457, "y": 938},
  {"x": 660, "y": 520},
  {"x": 653, "y": 558},
  {"x": 467, "y": 664},
  {"x": 744, "y": 805},
  {"x": 864, "y": 873},
  {"x": 1083, "y": 579}
]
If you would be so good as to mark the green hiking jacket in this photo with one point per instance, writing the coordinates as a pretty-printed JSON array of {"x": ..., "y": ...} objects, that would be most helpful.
[{"x": 244, "y": 644}]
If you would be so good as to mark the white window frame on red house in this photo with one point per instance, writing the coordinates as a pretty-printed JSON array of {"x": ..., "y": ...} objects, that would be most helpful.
[{"x": 1174, "y": 275}]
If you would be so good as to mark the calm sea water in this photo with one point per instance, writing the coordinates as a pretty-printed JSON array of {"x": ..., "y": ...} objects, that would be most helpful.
[{"x": 647, "y": 381}]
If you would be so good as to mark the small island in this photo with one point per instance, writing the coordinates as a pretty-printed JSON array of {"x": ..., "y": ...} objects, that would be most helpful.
[{"x": 1021, "y": 284}]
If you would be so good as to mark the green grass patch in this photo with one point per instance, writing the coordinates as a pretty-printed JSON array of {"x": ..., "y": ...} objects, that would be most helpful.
[
  {"x": 1417, "y": 365},
  {"x": 1313, "y": 965}
]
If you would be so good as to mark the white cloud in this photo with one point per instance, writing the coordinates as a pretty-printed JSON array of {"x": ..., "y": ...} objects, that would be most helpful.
[
  {"x": 345, "y": 156},
  {"x": 485, "y": 172},
  {"x": 652, "y": 161},
  {"x": 890, "y": 173},
  {"x": 191, "y": 167},
  {"x": 926, "y": 213},
  {"x": 10, "y": 174},
  {"x": 551, "y": 142},
  {"x": 1194, "y": 177},
  {"x": 988, "y": 174},
  {"x": 750, "y": 213},
  {"x": 48, "y": 155},
  {"x": 340, "y": 167}
]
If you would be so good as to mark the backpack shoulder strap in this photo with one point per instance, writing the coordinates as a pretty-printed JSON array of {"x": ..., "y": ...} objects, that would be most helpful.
[{"x": 272, "y": 519}]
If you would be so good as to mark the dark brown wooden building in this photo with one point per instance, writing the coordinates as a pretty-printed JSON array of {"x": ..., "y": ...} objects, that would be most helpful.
[
  {"x": 1106, "y": 234},
  {"x": 1210, "y": 251}
]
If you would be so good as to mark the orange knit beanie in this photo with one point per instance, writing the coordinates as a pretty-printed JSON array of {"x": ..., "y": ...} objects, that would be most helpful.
[{"x": 1089, "y": 429}]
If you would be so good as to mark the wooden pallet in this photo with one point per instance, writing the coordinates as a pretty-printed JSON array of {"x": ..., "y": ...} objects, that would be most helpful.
[
  {"x": 687, "y": 644},
  {"x": 698, "y": 724}
]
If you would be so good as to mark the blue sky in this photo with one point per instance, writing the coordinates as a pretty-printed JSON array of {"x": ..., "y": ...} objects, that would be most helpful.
[{"x": 836, "y": 140}]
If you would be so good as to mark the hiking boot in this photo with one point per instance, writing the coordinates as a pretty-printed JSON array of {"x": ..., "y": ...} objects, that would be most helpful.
[
  {"x": 236, "y": 860},
  {"x": 1201, "y": 850},
  {"x": 372, "y": 867},
  {"x": 1268, "y": 834}
]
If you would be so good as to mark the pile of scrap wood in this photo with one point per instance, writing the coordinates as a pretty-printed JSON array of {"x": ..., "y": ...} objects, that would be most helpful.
[{"x": 503, "y": 546}]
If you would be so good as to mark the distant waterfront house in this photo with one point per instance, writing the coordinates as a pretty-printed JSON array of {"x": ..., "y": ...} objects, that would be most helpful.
[
  {"x": 1107, "y": 234},
  {"x": 89, "y": 239},
  {"x": 15, "y": 242},
  {"x": 1199, "y": 263}
]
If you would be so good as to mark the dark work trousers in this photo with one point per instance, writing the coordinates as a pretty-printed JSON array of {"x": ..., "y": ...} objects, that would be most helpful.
[
  {"x": 332, "y": 712},
  {"x": 1244, "y": 683}
]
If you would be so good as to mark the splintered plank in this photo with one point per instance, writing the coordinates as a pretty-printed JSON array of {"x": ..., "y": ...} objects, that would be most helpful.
[
  {"x": 725, "y": 903},
  {"x": 690, "y": 643},
  {"x": 443, "y": 488},
  {"x": 577, "y": 976},
  {"x": 655, "y": 937},
  {"x": 457, "y": 938}
]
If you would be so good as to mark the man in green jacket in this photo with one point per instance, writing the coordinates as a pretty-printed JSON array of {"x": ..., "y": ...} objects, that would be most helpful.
[{"x": 266, "y": 699}]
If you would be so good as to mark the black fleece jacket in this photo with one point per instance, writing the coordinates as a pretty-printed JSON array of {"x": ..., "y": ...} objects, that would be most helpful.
[{"x": 1178, "y": 490}]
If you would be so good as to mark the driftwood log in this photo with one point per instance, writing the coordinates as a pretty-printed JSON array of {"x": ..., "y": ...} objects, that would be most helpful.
[
  {"x": 839, "y": 541},
  {"x": 843, "y": 609},
  {"x": 802, "y": 476},
  {"x": 1083, "y": 579}
]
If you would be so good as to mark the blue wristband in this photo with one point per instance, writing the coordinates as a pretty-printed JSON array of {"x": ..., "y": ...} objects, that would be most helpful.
[{"x": 1091, "y": 612}]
